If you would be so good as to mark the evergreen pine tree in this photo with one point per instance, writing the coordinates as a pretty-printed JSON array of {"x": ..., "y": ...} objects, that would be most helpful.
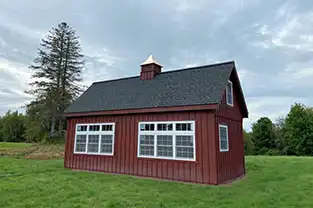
[{"x": 57, "y": 72}]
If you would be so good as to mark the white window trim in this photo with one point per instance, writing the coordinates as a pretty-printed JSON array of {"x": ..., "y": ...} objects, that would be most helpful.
[
  {"x": 232, "y": 94},
  {"x": 95, "y": 133},
  {"x": 171, "y": 133},
  {"x": 219, "y": 133}
]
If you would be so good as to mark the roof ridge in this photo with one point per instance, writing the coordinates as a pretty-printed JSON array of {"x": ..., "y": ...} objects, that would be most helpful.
[
  {"x": 113, "y": 80},
  {"x": 201, "y": 66},
  {"x": 166, "y": 72}
]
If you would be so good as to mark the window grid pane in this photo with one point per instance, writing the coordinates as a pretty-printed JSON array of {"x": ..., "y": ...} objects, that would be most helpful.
[
  {"x": 146, "y": 150},
  {"x": 146, "y": 145},
  {"x": 146, "y": 140},
  {"x": 165, "y": 146},
  {"x": 184, "y": 147},
  {"x": 106, "y": 139},
  {"x": 81, "y": 138},
  {"x": 81, "y": 143},
  {"x": 184, "y": 152},
  {"x": 185, "y": 141},
  {"x": 93, "y": 144},
  {"x": 104, "y": 148},
  {"x": 80, "y": 148},
  {"x": 106, "y": 145}
]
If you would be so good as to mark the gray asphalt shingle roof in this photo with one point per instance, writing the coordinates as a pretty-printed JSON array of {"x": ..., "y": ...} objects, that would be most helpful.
[{"x": 191, "y": 86}]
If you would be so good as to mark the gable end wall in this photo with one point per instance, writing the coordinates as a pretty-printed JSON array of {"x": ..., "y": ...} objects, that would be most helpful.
[{"x": 231, "y": 164}]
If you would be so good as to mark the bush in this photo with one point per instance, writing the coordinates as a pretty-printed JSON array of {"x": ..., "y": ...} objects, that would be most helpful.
[
  {"x": 57, "y": 138},
  {"x": 248, "y": 143},
  {"x": 273, "y": 152},
  {"x": 12, "y": 127}
]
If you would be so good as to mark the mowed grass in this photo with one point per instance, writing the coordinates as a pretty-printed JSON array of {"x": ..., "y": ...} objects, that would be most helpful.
[
  {"x": 270, "y": 182},
  {"x": 13, "y": 145}
]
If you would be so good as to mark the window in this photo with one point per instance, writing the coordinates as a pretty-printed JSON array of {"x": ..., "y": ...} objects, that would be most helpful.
[
  {"x": 146, "y": 127},
  {"x": 184, "y": 146},
  {"x": 164, "y": 145},
  {"x": 165, "y": 127},
  {"x": 94, "y": 138},
  {"x": 183, "y": 127},
  {"x": 167, "y": 140},
  {"x": 229, "y": 93},
  {"x": 223, "y": 134},
  {"x": 146, "y": 145}
]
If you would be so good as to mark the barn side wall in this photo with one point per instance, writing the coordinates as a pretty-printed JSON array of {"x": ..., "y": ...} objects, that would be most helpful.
[
  {"x": 231, "y": 164},
  {"x": 125, "y": 160}
]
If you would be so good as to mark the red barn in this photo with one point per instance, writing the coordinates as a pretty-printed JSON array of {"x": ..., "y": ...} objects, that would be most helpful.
[{"x": 181, "y": 125}]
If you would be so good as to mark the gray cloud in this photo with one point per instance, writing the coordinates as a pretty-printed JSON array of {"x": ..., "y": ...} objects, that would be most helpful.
[{"x": 270, "y": 41}]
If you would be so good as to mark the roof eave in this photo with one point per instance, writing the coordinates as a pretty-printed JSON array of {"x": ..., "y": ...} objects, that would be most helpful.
[
  {"x": 144, "y": 110},
  {"x": 245, "y": 108}
]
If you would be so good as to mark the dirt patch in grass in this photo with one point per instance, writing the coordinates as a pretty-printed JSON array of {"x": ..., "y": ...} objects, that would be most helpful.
[
  {"x": 47, "y": 152},
  {"x": 33, "y": 151}
]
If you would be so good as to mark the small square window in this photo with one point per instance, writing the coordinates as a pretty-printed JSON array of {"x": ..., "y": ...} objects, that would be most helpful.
[
  {"x": 165, "y": 127},
  {"x": 82, "y": 128},
  {"x": 183, "y": 127},
  {"x": 229, "y": 93},
  {"x": 107, "y": 127},
  {"x": 223, "y": 135},
  {"x": 146, "y": 127},
  {"x": 94, "y": 128}
]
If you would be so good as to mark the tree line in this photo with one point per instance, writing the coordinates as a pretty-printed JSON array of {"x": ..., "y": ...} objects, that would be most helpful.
[
  {"x": 56, "y": 82},
  {"x": 290, "y": 135}
]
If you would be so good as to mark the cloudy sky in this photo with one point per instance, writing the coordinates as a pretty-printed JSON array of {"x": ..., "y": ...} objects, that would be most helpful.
[{"x": 270, "y": 41}]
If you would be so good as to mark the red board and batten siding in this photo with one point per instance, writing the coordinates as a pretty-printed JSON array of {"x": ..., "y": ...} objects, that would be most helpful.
[
  {"x": 125, "y": 160},
  {"x": 231, "y": 164}
]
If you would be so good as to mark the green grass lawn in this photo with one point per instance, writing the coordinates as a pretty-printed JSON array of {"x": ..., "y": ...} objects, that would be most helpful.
[
  {"x": 15, "y": 145},
  {"x": 271, "y": 182}
]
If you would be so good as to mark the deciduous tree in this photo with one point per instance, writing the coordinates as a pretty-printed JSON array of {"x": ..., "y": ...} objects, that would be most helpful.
[
  {"x": 248, "y": 143},
  {"x": 298, "y": 130},
  {"x": 263, "y": 135}
]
